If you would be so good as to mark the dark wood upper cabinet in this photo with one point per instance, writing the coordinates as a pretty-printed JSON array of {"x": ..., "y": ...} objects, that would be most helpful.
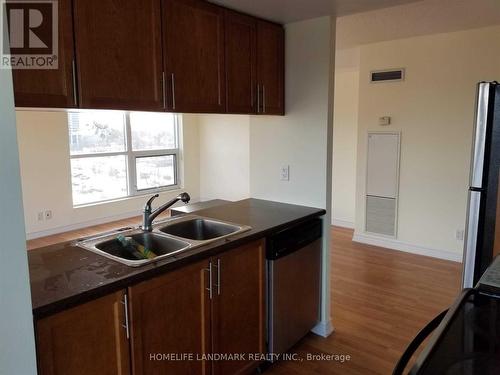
[
  {"x": 193, "y": 49},
  {"x": 87, "y": 339},
  {"x": 51, "y": 88},
  {"x": 270, "y": 68},
  {"x": 241, "y": 63},
  {"x": 171, "y": 314},
  {"x": 118, "y": 50},
  {"x": 160, "y": 55},
  {"x": 238, "y": 308}
]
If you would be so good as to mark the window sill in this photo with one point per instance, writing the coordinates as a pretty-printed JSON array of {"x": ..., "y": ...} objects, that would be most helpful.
[{"x": 144, "y": 194}]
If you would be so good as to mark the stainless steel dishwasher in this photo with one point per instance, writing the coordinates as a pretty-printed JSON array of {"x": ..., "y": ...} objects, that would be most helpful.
[{"x": 293, "y": 286}]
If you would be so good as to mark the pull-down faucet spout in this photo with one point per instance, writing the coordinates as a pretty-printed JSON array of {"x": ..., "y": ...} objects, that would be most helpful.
[{"x": 149, "y": 214}]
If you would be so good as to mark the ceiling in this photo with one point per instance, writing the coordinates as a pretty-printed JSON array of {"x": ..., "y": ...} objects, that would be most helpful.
[
  {"x": 285, "y": 11},
  {"x": 420, "y": 18}
]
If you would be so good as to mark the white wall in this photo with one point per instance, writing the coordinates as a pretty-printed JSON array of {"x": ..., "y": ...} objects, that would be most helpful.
[
  {"x": 17, "y": 343},
  {"x": 216, "y": 158},
  {"x": 297, "y": 139},
  {"x": 302, "y": 138},
  {"x": 345, "y": 133},
  {"x": 46, "y": 178},
  {"x": 224, "y": 157},
  {"x": 434, "y": 110}
]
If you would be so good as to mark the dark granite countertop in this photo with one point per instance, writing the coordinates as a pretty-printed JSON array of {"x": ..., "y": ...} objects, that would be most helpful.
[{"x": 64, "y": 275}]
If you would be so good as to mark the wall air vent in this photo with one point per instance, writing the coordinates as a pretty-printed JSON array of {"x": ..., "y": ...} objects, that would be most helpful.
[{"x": 391, "y": 75}]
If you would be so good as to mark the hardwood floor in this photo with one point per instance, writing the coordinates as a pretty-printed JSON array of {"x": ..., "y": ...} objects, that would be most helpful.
[{"x": 380, "y": 299}]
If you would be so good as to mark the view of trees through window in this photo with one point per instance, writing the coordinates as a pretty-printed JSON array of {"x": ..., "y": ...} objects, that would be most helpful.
[{"x": 118, "y": 154}]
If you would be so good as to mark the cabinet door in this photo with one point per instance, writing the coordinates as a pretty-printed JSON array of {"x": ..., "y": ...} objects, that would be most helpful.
[
  {"x": 51, "y": 88},
  {"x": 194, "y": 56},
  {"x": 270, "y": 68},
  {"x": 239, "y": 306},
  {"x": 171, "y": 315},
  {"x": 241, "y": 61},
  {"x": 118, "y": 48},
  {"x": 87, "y": 339}
]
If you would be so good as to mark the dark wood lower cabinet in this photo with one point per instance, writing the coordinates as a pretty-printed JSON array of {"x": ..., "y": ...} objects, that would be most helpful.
[
  {"x": 87, "y": 339},
  {"x": 170, "y": 315},
  {"x": 179, "y": 323},
  {"x": 176, "y": 315},
  {"x": 238, "y": 307}
]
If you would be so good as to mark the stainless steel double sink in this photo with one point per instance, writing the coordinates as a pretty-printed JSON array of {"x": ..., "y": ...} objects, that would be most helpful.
[{"x": 168, "y": 238}]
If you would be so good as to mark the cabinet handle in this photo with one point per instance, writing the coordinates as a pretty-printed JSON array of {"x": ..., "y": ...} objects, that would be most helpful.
[
  {"x": 125, "y": 306},
  {"x": 263, "y": 99},
  {"x": 173, "y": 90},
  {"x": 209, "y": 270},
  {"x": 258, "y": 98},
  {"x": 218, "y": 276},
  {"x": 73, "y": 73},
  {"x": 163, "y": 90}
]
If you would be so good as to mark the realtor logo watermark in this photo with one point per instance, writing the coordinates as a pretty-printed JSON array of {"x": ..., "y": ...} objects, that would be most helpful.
[{"x": 30, "y": 29}]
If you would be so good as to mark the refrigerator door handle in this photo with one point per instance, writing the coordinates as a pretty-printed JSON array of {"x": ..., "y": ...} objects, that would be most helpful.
[
  {"x": 478, "y": 155},
  {"x": 469, "y": 258}
]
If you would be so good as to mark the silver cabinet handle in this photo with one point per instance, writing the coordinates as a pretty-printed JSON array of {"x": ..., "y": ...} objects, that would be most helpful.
[
  {"x": 173, "y": 90},
  {"x": 163, "y": 90},
  {"x": 126, "y": 324},
  {"x": 209, "y": 270},
  {"x": 263, "y": 99},
  {"x": 258, "y": 98},
  {"x": 218, "y": 276},
  {"x": 73, "y": 72}
]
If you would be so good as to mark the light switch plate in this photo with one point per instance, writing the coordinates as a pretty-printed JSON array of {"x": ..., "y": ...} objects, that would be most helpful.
[
  {"x": 285, "y": 173},
  {"x": 384, "y": 121}
]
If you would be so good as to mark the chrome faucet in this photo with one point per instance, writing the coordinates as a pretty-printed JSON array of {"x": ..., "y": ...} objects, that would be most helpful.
[{"x": 149, "y": 215}]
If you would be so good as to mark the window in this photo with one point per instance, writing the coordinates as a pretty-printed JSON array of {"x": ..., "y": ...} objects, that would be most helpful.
[{"x": 121, "y": 154}]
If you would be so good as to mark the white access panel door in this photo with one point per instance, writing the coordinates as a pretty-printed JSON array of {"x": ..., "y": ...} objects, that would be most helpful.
[{"x": 382, "y": 179}]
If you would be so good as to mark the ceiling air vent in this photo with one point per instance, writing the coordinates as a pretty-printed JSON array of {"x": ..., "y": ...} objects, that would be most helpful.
[{"x": 387, "y": 75}]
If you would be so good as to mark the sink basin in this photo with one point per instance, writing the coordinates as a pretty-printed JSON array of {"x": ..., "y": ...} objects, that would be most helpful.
[
  {"x": 168, "y": 238},
  {"x": 200, "y": 229},
  {"x": 110, "y": 247}
]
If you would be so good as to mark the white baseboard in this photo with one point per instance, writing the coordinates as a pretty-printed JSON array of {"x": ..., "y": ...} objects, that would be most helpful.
[
  {"x": 393, "y": 244},
  {"x": 323, "y": 328},
  {"x": 343, "y": 223},
  {"x": 84, "y": 224}
]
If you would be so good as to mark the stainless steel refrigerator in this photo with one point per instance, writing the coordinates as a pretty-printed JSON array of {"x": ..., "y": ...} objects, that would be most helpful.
[{"x": 482, "y": 241}]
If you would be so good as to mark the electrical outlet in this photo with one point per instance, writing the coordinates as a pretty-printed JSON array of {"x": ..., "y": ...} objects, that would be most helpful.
[
  {"x": 460, "y": 235},
  {"x": 48, "y": 215},
  {"x": 40, "y": 216},
  {"x": 285, "y": 173}
]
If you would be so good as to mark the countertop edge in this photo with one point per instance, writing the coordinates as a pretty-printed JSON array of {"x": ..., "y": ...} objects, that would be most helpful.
[{"x": 51, "y": 308}]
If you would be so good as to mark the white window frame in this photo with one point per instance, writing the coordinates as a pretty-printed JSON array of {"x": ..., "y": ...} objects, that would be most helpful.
[{"x": 131, "y": 156}]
